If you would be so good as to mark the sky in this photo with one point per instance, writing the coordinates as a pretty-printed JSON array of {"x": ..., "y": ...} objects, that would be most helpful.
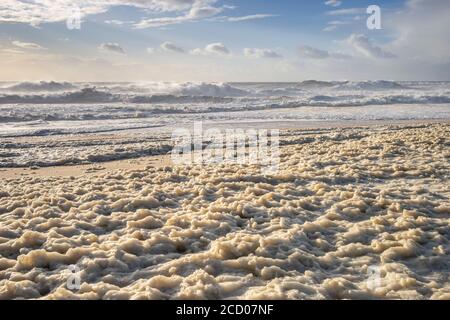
[{"x": 223, "y": 40}]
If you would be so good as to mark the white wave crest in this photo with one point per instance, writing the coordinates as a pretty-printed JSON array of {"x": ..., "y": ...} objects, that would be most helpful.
[{"x": 41, "y": 86}]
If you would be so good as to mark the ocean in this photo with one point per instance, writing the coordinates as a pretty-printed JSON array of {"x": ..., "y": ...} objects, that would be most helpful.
[{"x": 48, "y": 108}]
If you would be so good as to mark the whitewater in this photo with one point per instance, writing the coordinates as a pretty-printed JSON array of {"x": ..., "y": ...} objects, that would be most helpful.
[
  {"x": 48, "y": 107},
  {"x": 51, "y": 123}
]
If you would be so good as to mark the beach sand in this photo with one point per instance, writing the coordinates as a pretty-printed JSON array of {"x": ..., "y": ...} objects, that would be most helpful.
[{"x": 353, "y": 213}]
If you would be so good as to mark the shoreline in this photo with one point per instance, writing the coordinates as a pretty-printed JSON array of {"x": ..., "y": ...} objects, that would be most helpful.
[{"x": 157, "y": 161}]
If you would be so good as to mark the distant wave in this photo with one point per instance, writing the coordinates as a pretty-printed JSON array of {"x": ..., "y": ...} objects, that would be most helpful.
[
  {"x": 192, "y": 97},
  {"x": 86, "y": 95},
  {"x": 91, "y": 95},
  {"x": 189, "y": 92},
  {"x": 342, "y": 101},
  {"x": 209, "y": 89},
  {"x": 370, "y": 85},
  {"x": 42, "y": 86},
  {"x": 173, "y": 88},
  {"x": 315, "y": 84},
  {"x": 352, "y": 85},
  {"x": 178, "y": 99}
]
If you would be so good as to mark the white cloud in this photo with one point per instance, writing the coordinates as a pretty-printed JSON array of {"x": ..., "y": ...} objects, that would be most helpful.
[
  {"x": 333, "y": 25},
  {"x": 35, "y": 12},
  {"x": 313, "y": 53},
  {"x": 118, "y": 22},
  {"x": 249, "y": 17},
  {"x": 10, "y": 51},
  {"x": 333, "y": 3},
  {"x": 338, "y": 22},
  {"x": 344, "y": 12},
  {"x": 113, "y": 47},
  {"x": 261, "y": 53},
  {"x": 329, "y": 28},
  {"x": 159, "y": 22},
  {"x": 217, "y": 49},
  {"x": 361, "y": 44},
  {"x": 421, "y": 30},
  {"x": 171, "y": 47},
  {"x": 199, "y": 9},
  {"x": 27, "y": 45},
  {"x": 319, "y": 54}
]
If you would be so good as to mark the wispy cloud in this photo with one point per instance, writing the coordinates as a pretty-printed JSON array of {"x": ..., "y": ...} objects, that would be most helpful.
[
  {"x": 319, "y": 54},
  {"x": 333, "y": 25},
  {"x": 361, "y": 44},
  {"x": 333, "y": 3},
  {"x": 118, "y": 22},
  {"x": 46, "y": 11},
  {"x": 261, "y": 53},
  {"x": 215, "y": 49},
  {"x": 112, "y": 47},
  {"x": 27, "y": 45},
  {"x": 344, "y": 12},
  {"x": 249, "y": 17},
  {"x": 171, "y": 47},
  {"x": 200, "y": 9}
]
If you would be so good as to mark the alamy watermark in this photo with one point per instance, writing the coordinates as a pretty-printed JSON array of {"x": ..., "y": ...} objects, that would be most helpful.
[
  {"x": 73, "y": 21},
  {"x": 227, "y": 146},
  {"x": 373, "y": 281},
  {"x": 374, "y": 20},
  {"x": 74, "y": 279}
]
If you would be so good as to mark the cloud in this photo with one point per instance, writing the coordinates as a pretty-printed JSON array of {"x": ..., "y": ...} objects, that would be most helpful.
[
  {"x": 10, "y": 51},
  {"x": 249, "y": 17},
  {"x": 118, "y": 22},
  {"x": 36, "y": 12},
  {"x": 333, "y": 3},
  {"x": 333, "y": 25},
  {"x": 421, "y": 30},
  {"x": 313, "y": 53},
  {"x": 217, "y": 49},
  {"x": 113, "y": 47},
  {"x": 199, "y": 9},
  {"x": 261, "y": 53},
  {"x": 319, "y": 54},
  {"x": 361, "y": 44},
  {"x": 171, "y": 47},
  {"x": 344, "y": 12},
  {"x": 159, "y": 22},
  {"x": 329, "y": 28},
  {"x": 27, "y": 45}
]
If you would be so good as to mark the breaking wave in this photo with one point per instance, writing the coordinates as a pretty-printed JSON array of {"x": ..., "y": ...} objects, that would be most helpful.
[
  {"x": 158, "y": 92},
  {"x": 85, "y": 95},
  {"x": 53, "y": 101},
  {"x": 41, "y": 86},
  {"x": 370, "y": 85}
]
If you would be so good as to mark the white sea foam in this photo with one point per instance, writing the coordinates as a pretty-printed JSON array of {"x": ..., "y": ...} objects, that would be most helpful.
[{"x": 345, "y": 201}]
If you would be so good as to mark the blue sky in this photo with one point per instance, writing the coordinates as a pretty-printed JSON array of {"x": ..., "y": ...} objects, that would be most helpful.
[{"x": 223, "y": 40}]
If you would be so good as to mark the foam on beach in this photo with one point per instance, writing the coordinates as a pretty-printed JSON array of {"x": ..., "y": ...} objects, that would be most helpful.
[{"x": 344, "y": 201}]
